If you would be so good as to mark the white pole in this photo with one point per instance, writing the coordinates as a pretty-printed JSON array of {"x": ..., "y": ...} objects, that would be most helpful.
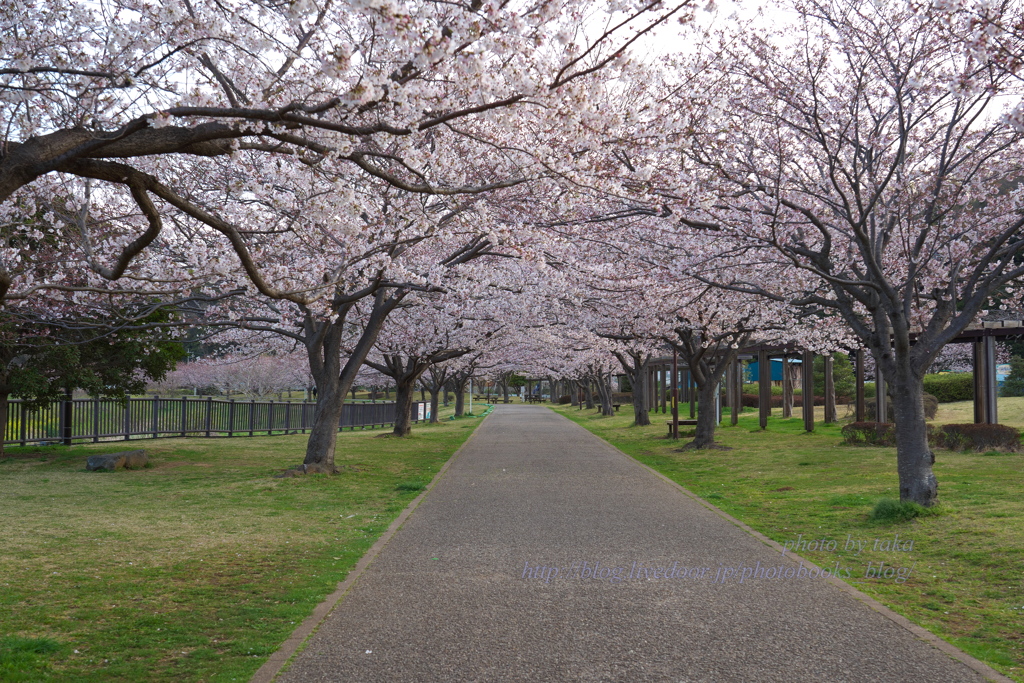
[{"x": 470, "y": 395}]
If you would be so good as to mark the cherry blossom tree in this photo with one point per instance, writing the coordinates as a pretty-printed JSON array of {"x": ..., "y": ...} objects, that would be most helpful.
[
  {"x": 115, "y": 100},
  {"x": 839, "y": 147}
]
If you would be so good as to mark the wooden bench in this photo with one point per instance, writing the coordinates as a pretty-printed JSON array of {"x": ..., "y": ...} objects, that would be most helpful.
[{"x": 689, "y": 423}]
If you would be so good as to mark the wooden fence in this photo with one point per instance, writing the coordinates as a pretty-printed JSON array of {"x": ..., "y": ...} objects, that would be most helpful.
[{"x": 88, "y": 419}]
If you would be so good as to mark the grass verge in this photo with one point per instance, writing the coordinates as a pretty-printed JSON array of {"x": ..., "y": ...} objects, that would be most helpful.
[
  {"x": 195, "y": 569},
  {"x": 962, "y": 560}
]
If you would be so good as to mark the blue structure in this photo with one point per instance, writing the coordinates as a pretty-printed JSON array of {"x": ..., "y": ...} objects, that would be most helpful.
[{"x": 751, "y": 373}]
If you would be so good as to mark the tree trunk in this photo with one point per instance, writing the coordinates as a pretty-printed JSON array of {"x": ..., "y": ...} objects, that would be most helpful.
[
  {"x": 404, "y": 392},
  {"x": 914, "y": 458},
  {"x": 590, "y": 394},
  {"x": 435, "y": 394},
  {"x": 445, "y": 395},
  {"x": 637, "y": 373},
  {"x": 460, "y": 397},
  {"x": 323, "y": 348},
  {"x": 323, "y": 433},
  {"x": 707, "y": 418},
  {"x": 604, "y": 388}
]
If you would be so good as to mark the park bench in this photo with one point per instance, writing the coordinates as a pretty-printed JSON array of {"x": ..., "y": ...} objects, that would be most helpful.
[{"x": 689, "y": 423}]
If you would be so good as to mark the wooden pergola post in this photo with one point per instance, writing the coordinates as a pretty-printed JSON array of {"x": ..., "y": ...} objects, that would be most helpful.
[
  {"x": 830, "y": 392},
  {"x": 807, "y": 388},
  {"x": 787, "y": 388},
  {"x": 764, "y": 387},
  {"x": 861, "y": 403},
  {"x": 881, "y": 395},
  {"x": 652, "y": 388},
  {"x": 986, "y": 409},
  {"x": 737, "y": 378}
]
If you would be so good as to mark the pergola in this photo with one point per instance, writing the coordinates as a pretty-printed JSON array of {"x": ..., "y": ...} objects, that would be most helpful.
[{"x": 982, "y": 335}]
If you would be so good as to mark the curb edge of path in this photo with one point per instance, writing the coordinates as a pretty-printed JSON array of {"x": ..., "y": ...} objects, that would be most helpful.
[
  {"x": 920, "y": 633},
  {"x": 276, "y": 662}
]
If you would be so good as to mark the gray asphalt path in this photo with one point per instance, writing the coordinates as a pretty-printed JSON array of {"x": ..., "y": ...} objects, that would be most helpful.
[{"x": 466, "y": 591}]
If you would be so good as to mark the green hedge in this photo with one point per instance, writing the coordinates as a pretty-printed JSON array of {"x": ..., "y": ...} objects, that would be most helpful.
[{"x": 953, "y": 386}]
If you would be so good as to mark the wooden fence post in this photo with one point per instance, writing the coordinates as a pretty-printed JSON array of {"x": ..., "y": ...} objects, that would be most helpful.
[
  {"x": 128, "y": 419},
  {"x": 209, "y": 411},
  {"x": 24, "y": 426},
  {"x": 156, "y": 416}
]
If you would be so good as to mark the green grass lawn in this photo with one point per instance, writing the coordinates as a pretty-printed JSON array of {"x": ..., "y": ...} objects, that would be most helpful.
[
  {"x": 197, "y": 568},
  {"x": 967, "y": 578}
]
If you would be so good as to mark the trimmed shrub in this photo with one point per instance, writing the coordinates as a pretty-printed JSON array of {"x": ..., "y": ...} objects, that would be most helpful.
[
  {"x": 622, "y": 397},
  {"x": 565, "y": 400},
  {"x": 951, "y": 386},
  {"x": 978, "y": 437},
  {"x": 931, "y": 408},
  {"x": 870, "y": 434}
]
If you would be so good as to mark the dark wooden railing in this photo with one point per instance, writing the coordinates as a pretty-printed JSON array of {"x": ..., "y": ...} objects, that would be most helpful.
[{"x": 88, "y": 419}]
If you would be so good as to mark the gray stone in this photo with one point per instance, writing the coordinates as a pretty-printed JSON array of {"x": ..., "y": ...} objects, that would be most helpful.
[{"x": 129, "y": 460}]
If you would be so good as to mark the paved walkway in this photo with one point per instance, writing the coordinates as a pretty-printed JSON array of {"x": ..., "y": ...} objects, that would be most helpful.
[{"x": 446, "y": 599}]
